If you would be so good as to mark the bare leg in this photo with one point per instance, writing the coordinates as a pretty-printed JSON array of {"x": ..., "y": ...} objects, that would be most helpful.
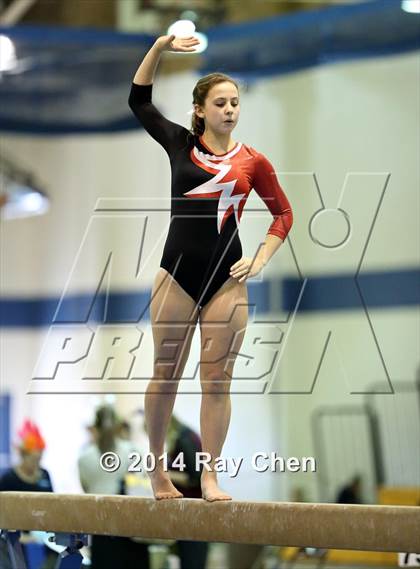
[
  {"x": 173, "y": 316},
  {"x": 222, "y": 323}
]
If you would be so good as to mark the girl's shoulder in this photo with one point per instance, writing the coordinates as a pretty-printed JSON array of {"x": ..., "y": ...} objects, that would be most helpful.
[{"x": 250, "y": 150}]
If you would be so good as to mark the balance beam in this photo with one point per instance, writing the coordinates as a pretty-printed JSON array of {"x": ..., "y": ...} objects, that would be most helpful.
[{"x": 331, "y": 526}]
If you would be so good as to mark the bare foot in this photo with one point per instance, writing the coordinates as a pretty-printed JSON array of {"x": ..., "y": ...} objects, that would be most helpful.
[
  {"x": 162, "y": 486},
  {"x": 211, "y": 491}
]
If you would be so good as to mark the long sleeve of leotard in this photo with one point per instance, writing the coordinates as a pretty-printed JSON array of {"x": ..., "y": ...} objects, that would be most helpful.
[
  {"x": 167, "y": 133},
  {"x": 266, "y": 185}
]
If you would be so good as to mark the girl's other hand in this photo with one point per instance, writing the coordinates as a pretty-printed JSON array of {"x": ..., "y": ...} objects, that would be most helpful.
[{"x": 246, "y": 268}]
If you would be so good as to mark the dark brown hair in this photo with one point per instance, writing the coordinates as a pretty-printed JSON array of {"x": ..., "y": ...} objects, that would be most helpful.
[{"x": 200, "y": 92}]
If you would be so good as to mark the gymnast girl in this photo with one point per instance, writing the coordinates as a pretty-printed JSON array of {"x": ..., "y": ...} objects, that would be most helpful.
[{"x": 202, "y": 274}]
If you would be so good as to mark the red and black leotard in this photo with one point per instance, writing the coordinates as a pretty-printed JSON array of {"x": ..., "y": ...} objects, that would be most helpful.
[{"x": 208, "y": 193}]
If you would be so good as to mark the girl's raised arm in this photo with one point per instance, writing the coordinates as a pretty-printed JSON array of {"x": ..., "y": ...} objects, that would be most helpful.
[{"x": 165, "y": 132}]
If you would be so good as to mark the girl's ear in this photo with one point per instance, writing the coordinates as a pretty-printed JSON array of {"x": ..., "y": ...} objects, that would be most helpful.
[{"x": 197, "y": 110}]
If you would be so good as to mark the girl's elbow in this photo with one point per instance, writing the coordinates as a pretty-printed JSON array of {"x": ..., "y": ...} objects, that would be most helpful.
[{"x": 290, "y": 219}]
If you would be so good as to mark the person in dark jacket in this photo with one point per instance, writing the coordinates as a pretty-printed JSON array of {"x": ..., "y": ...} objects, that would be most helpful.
[
  {"x": 350, "y": 493},
  {"x": 182, "y": 439},
  {"x": 27, "y": 476}
]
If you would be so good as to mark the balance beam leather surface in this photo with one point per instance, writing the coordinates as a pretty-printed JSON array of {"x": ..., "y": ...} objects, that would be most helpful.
[{"x": 335, "y": 526}]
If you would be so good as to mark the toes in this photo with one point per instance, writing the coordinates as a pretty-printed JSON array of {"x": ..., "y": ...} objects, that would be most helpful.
[
  {"x": 167, "y": 496},
  {"x": 220, "y": 498}
]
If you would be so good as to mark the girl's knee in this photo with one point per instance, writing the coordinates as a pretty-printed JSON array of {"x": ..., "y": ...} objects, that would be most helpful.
[
  {"x": 215, "y": 381},
  {"x": 165, "y": 373}
]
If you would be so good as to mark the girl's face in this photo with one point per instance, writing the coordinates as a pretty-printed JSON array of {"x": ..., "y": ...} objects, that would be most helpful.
[{"x": 221, "y": 108}]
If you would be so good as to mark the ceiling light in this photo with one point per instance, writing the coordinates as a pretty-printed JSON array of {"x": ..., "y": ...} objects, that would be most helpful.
[
  {"x": 7, "y": 54},
  {"x": 20, "y": 195},
  {"x": 412, "y": 6},
  {"x": 182, "y": 28}
]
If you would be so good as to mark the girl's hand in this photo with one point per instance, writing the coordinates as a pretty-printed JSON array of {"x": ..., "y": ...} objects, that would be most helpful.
[
  {"x": 172, "y": 43},
  {"x": 245, "y": 268}
]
